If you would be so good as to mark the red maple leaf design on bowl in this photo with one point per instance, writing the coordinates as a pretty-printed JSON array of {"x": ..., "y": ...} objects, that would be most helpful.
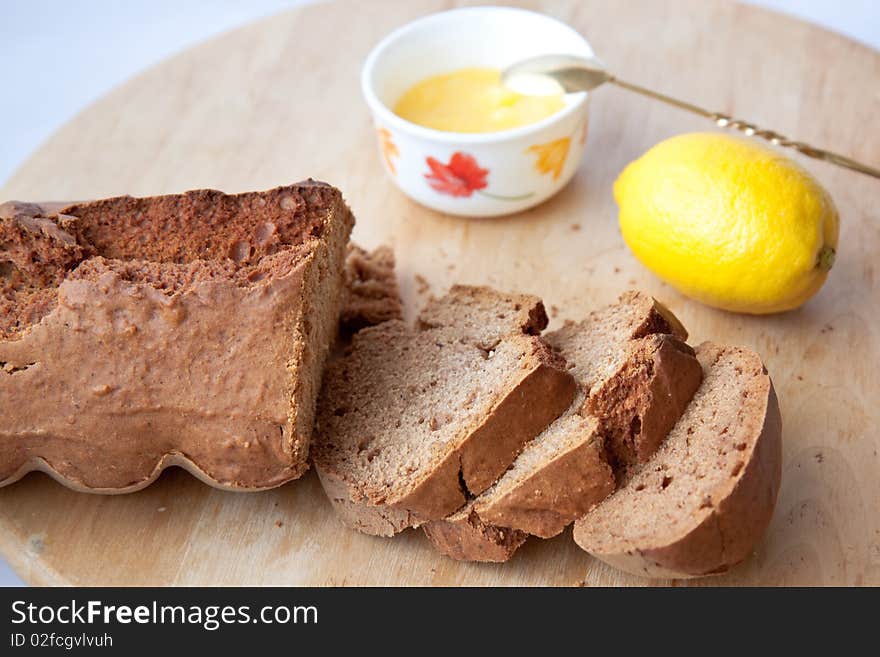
[{"x": 461, "y": 177}]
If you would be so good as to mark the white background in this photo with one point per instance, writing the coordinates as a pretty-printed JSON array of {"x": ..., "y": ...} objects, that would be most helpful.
[{"x": 57, "y": 56}]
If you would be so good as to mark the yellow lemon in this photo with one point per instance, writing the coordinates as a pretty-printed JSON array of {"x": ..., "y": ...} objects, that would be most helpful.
[{"x": 729, "y": 222}]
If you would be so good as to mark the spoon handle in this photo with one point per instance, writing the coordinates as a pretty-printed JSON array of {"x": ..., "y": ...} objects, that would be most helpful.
[{"x": 725, "y": 121}]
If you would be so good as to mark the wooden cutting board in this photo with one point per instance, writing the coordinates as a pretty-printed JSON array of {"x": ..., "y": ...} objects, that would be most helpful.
[{"x": 279, "y": 100}]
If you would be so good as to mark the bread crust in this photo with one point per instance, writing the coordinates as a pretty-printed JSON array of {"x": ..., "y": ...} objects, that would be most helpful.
[
  {"x": 727, "y": 535},
  {"x": 465, "y": 537}
]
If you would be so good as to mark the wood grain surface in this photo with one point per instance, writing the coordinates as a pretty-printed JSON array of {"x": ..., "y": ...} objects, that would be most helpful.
[{"x": 279, "y": 101}]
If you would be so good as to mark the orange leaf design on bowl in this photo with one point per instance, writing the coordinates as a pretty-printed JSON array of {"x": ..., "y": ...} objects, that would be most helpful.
[
  {"x": 389, "y": 149},
  {"x": 551, "y": 156}
]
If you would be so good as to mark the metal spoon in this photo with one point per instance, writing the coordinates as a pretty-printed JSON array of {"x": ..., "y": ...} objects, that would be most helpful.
[{"x": 549, "y": 74}]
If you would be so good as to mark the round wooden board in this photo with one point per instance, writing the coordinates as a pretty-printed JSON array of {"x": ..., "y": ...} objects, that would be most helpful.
[{"x": 279, "y": 101}]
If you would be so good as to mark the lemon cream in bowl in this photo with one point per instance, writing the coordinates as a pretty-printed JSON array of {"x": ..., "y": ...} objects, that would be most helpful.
[
  {"x": 450, "y": 135},
  {"x": 472, "y": 100}
]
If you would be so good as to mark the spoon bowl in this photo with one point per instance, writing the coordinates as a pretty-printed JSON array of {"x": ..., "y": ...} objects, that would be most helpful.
[{"x": 551, "y": 74}]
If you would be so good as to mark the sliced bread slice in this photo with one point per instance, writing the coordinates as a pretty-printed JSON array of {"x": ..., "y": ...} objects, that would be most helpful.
[
  {"x": 370, "y": 292},
  {"x": 634, "y": 385},
  {"x": 703, "y": 501},
  {"x": 483, "y": 315},
  {"x": 413, "y": 422}
]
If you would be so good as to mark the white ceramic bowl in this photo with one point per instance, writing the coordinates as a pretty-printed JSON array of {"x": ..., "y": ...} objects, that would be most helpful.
[{"x": 484, "y": 174}]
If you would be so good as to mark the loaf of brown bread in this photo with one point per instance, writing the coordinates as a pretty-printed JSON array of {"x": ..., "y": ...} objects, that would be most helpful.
[
  {"x": 703, "y": 501},
  {"x": 414, "y": 421},
  {"x": 190, "y": 329},
  {"x": 636, "y": 375}
]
